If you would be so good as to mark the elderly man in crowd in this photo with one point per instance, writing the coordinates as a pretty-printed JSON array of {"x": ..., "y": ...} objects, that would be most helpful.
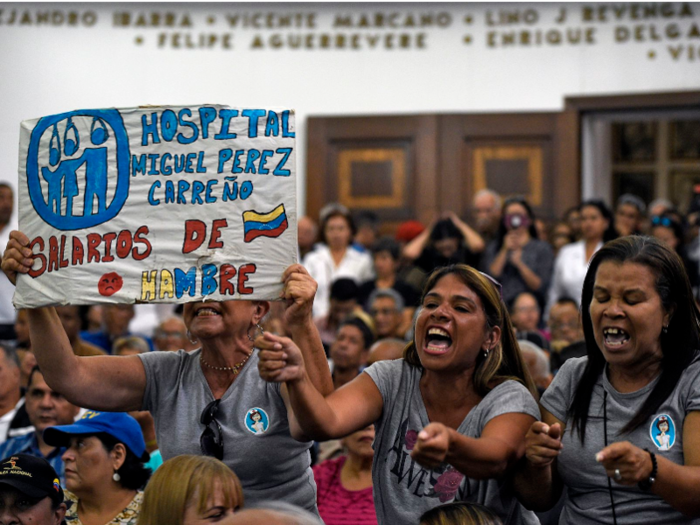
[
  {"x": 45, "y": 408},
  {"x": 171, "y": 335},
  {"x": 486, "y": 207},
  {"x": 349, "y": 351},
  {"x": 11, "y": 399},
  {"x": 30, "y": 492},
  {"x": 386, "y": 306}
]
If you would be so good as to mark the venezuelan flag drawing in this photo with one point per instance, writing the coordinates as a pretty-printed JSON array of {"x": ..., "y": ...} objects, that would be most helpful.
[{"x": 270, "y": 224}]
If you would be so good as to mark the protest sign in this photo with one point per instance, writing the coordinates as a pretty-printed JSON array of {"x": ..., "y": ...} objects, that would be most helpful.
[{"x": 157, "y": 204}]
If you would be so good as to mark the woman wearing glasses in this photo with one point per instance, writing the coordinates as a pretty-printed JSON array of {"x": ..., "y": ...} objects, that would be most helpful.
[
  {"x": 450, "y": 417},
  {"x": 620, "y": 430},
  {"x": 202, "y": 400}
]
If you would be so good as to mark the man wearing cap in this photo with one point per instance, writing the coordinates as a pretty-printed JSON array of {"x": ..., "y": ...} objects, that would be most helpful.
[
  {"x": 30, "y": 492},
  {"x": 45, "y": 409}
]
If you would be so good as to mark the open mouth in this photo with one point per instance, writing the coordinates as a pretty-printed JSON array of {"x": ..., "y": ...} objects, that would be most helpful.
[
  {"x": 615, "y": 336},
  {"x": 206, "y": 311},
  {"x": 438, "y": 340}
]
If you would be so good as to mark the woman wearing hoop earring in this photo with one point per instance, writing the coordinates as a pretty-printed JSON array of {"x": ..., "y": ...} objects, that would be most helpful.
[
  {"x": 620, "y": 429},
  {"x": 450, "y": 416},
  {"x": 200, "y": 399}
]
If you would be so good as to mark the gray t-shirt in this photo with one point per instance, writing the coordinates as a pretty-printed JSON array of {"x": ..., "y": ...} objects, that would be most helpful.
[
  {"x": 258, "y": 447},
  {"x": 588, "y": 496},
  {"x": 403, "y": 490}
]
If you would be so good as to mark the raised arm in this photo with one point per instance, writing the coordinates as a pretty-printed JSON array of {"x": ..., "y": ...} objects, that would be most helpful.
[
  {"x": 342, "y": 412},
  {"x": 474, "y": 241},
  {"x": 536, "y": 481},
  {"x": 100, "y": 382},
  {"x": 299, "y": 291}
]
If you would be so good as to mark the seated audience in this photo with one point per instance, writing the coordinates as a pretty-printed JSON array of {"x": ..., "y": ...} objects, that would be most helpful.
[
  {"x": 307, "y": 234},
  {"x": 618, "y": 434},
  {"x": 572, "y": 217},
  {"x": 22, "y": 341},
  {"x": 11, "y": 398},
  {"x": 560, "y": 235},
  {"x": 171, "y": 335},
  {"x": 386, "y": 254},
  {"x": 386, "y": 350},
  {"x": 572, "y": 261},
  {"x": 486, "y": 209},
  {"x": 349, "y": 350},
  {"x": 343, "y": 302},
  {"x": 460, "y": 513},
  {"x": 668, "y": 229},
  {"x": 116, "y": 319},
  {"x": 71, "y": 320},
  {"x": 537, "y": 361},
  {"x": 191, "y": 490},
  {"x": 334, "y": 257},
  {"x": 130, "y": 345},
  {"x": 449, "y": 241},
  {"x": 344, "y": 484},
  {"x": 517, "y": 258},
  {"x": 386, "y": 307},
  {"x": 525, "y": 313},
  {"x": 407, "y": 271},
  {"x": 367, "y": 226},
  {"x": 30, "y": 492},
  {"x": 45, "y": 408},
  {"x": 274, "y": 513},
  {"x": 104, "y": 457},
  {"x": 564, "y": 323},
  {"x": 629, "y": 215}
]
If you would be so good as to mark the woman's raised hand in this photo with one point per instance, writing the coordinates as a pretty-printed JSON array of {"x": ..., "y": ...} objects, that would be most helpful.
[
  {"x": 299, "y": 292},
  {"x": 280, "y": 360},
  {"x": 17, "y": 257},
  {"x": 542, "y": 443}
]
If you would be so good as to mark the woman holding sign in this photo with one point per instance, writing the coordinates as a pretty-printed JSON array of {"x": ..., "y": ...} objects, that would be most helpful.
[{"x": 209, "y": 401}]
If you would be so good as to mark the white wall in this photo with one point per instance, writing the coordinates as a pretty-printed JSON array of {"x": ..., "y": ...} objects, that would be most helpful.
[{"x": 47, "y": 68}]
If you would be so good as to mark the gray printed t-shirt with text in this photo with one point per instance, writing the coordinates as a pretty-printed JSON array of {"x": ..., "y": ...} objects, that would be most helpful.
[
  {"x": 258, "y": 447},
  {"x": 403, "y": 490},
  {"x": 588, "y": 496}
]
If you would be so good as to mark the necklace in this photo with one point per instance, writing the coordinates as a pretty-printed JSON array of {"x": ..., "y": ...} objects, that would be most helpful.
[{"x": 235, "y": 368}]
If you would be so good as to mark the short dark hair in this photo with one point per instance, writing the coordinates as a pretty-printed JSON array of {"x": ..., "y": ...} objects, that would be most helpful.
[
  {"x": 445, "y": 229},
  {"x": 335, "y": 210},
  {"x": 603, "y": 209},
  {"x": 35, "y": 370},
  {"x": 357, "y": 322},
  {"x": 133, "y": 474},
  {"x": 366, "y": 218},
  {"x": 344, "y": 289},
  {"x": 679, "y": 344},
  {"x": 7, "y": 185},
  {"x": 566, "y": 300},
  {"x": 389, "y": 245},
  {"x": 10, "y": 354}
]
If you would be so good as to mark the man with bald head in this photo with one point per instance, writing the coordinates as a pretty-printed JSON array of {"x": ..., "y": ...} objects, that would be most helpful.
[
  {"x": 386, "y": 350},
  {"x": 274, "y": 513},
  {"x": 486, "y": 207}
]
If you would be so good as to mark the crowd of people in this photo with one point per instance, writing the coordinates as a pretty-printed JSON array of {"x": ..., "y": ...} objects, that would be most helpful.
[{"x": 491, "y": 368}]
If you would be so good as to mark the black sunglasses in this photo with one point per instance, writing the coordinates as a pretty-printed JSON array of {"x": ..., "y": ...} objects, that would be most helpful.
[{"x": 212, "y": 439}]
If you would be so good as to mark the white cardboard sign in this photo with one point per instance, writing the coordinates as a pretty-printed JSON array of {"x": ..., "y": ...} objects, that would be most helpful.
[{"x": 157, "y": 204}]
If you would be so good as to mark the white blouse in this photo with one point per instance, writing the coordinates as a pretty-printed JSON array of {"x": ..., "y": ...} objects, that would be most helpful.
[
  {"x": 570, "y": 269},
  {"x": 355, "y": 265}
]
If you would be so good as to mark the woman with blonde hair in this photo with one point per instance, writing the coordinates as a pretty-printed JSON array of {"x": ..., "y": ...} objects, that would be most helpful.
[
  {"x": 460, "y": 514},
  {"x": 189, "y": 490},
  {"x": 450, "y": 417}
]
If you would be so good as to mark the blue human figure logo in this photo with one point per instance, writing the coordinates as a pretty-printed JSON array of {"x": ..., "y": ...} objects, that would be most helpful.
[{"x": 62, "y": 177}]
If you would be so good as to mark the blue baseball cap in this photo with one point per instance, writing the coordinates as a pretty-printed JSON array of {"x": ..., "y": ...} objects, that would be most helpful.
[{"x": 120, "y": 425}]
